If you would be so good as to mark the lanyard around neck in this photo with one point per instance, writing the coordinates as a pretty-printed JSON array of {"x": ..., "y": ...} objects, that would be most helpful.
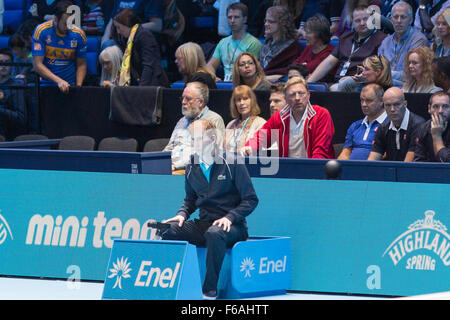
[{"x": 236, "y": 136}]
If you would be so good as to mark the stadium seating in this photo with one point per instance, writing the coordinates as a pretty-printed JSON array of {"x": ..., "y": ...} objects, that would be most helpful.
[{"x": 15, "y": 13}]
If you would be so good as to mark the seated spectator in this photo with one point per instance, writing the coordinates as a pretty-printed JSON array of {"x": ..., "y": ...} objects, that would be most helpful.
[
  {"x": 277, "y": 99},
  {"x": 323, "y": 8},
  {"x": 300, "y": 129},
  {"x": 318, "y": 47},
  {"x": 244, "y": 111},
  {"x": 111, "y": 60},
  {"x": 358, "y": 141},
  {"x": 141, "y": 63},
  {"x": 297, "y": 70},
  {"x": 441, "y": 73},
  {"x": 433, "y": 139},
  {"x": 59, "y": 53},
  {"x": 248, "y": 71},
  {"x": 375, "y": 69},
  {"x": 418, "y": 73},
  {"x": 441, "y": 43},
  {"x": 427, "y": 13},
  {"x": 194, "y": 106},
  {"x": 190, "y": 60},
  {"x": 229, "y": 48},
  {"x": 353, "y": 48},
  {"x": 13, "y": 115},
  {"x": 405, "y": 38},
  {"x": 386, "y": 8},
  {"x": 345, "y": 24},
  {"x": 22, "y": 54},
  {"x": 93, "y": 20},
  {"x": 395, "y": 140},
  {"x": 280, "y": 46}
]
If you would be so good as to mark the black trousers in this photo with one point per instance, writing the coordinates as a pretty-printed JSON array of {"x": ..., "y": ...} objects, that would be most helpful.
[{"x": 203, "y": 233}]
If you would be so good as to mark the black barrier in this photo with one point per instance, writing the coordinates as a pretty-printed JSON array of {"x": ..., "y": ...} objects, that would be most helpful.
[{"x": 85, "y": 111}]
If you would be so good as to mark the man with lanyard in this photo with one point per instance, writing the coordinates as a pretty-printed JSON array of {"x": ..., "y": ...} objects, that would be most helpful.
[
  {"x": 59, "y": 52},
  {"x": 194, "y": 107},
  {"x": 224, "y": 194},
  {"x": 353, "y": 48},
  {"x": 229, "y": 48},
  {"x": 395, "y": 140},
  {"x": 394, "y": 47}
]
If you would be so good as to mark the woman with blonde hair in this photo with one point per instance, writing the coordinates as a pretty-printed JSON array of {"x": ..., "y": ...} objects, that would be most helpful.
[
  {"x": 191, "y": 63},
  {"x": 441, "y": 43},
  {"x": 418, "y": 71},
  {"x": 375, "y": 69},
  {"x": 246, "y": 121},
  {"x": 111, "y": 60},
  {"x": 248, "y": 71}
]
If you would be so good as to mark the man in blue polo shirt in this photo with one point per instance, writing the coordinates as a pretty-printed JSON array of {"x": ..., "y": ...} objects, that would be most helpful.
[
  {"x": 358, "y": 141},
  {"x": 59, "y": 51}
]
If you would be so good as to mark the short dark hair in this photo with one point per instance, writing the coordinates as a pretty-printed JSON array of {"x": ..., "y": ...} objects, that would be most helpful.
[
  {"x": 238, "y": 6},
  {"x": 127, "y": 17},
  {"x": 300, "y": 68},
  {"x": 443, "y": 64},
  {"x": 16, "y": 40},
  {"x": 320, "y": 26},
  {"x": 61, "y": 8},
  {"x": 436, "y": 94},
  {"x": 7, "y": 52}
]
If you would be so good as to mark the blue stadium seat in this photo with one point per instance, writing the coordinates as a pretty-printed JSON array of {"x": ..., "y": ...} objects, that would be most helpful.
[
  {"x": 4, "y": 41},
  {"x": 334, "y": 42},
  {"x": 224, "y": 85},
  {"x": 317, "y": 86},
  {"x": 177, "y": 85},
  {"x": 203, "y": 22},
  {"x": 93, "y": 47},
  {"x": 15, "y": 12}
]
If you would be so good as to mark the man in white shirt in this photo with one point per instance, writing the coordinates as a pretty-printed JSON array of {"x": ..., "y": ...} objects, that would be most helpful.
[{"x": 194, "y": 106}]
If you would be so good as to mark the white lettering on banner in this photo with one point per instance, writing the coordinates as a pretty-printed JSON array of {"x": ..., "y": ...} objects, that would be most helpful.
[
  {"x": 4, "y": 230},
  {"x": 424, "y": 234},
  {"x": 49, "y": 231},
  {"x": 272, "y": 266},
  {"x": 165, "y": 278}
]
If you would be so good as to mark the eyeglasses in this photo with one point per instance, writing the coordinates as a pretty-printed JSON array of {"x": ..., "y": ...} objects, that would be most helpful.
[
  {"x": 269, "y": 21},
  {"x": 243, "y": 64},
  {"x": 188, "y": 99}
]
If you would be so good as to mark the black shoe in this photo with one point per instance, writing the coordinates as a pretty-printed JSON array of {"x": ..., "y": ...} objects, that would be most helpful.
[{"x": 210, "y": 295}]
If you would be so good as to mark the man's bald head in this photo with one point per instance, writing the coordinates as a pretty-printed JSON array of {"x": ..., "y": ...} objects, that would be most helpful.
[{"x": 395, "y": 105}]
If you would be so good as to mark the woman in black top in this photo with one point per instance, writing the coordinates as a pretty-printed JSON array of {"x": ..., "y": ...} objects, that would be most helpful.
[{"x": 141, "y": 64}]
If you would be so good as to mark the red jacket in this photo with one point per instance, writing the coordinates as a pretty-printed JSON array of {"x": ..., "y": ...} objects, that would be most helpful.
[{"x": 318, "y": 132}]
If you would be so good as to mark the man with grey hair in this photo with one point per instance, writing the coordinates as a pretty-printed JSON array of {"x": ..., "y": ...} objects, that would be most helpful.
[
  {"x": 194, "y": 106},
  {"x": 395, "y": 46}
]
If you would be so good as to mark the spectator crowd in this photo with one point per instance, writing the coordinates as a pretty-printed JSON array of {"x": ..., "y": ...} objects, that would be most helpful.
[{"x": 379, "y": 49}]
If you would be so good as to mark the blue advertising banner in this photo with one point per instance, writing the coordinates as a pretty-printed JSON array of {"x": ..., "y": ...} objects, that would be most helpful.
[
  {"x": 152, "y": 270},
  {"x": 357, "y": 237}
]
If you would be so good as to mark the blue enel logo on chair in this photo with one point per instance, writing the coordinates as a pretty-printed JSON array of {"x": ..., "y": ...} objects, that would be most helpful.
[
  {"x": 141, "y": 269},
  {"x": 152, "y": 270}
]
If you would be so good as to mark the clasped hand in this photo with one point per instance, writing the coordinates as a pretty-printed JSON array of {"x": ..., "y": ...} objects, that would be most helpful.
[{"x": 223, "y": 223}]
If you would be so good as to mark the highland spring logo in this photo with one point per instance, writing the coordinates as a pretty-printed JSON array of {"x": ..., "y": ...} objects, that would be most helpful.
[
  {"x": 5, "y": 230},
  {"x": 425, "y": 240}
]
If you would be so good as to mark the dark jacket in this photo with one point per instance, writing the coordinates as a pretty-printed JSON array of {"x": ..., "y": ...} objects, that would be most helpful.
[
  {"x": 146, "y": 68},
  {"x": 229, "y": 193},
  {"x": 279, "y": 64},
  {"x": 424, "y": 145}
]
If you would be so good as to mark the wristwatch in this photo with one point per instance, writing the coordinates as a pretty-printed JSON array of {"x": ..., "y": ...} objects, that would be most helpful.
[{"x": 422, "y": 6}]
